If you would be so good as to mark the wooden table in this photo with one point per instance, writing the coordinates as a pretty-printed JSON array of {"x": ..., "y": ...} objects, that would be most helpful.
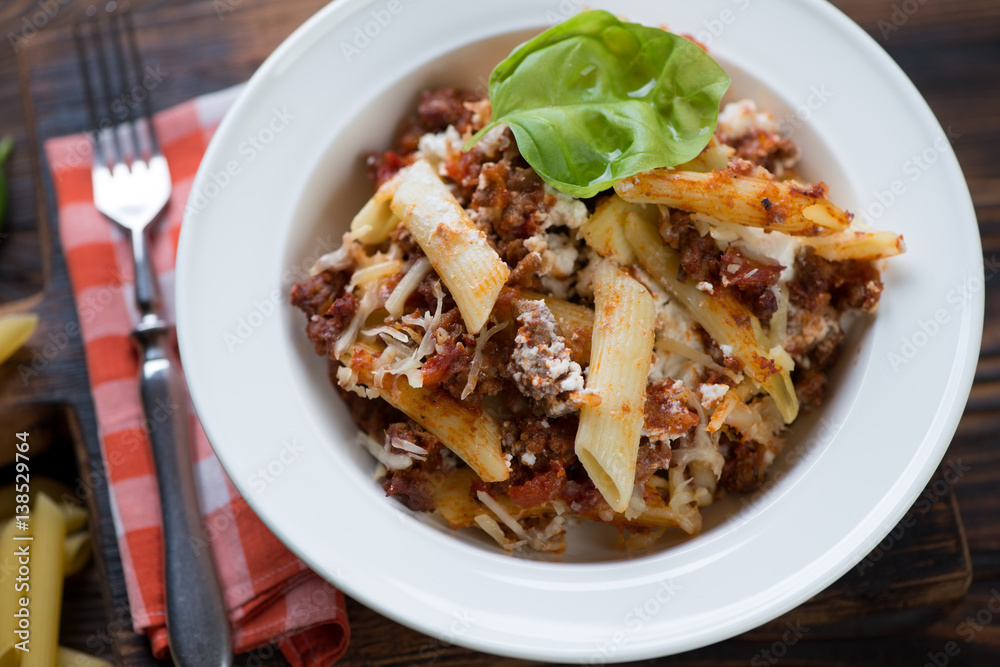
[{"x": 934, "y": 586}]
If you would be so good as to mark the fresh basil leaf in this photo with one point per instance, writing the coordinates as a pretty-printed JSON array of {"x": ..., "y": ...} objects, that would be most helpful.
[{"x": 594, "y": 99}]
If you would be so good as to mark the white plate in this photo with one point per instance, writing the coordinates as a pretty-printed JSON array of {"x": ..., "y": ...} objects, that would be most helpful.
[{"x": 858, "y": 464}]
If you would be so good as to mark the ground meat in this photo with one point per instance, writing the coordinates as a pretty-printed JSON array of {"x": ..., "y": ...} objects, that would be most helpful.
[
  {"x": 699, "y": 256},
  {"x": 540, "y": 364},
  {"x": 526, "y": 272},
  {"x": 810, "y": 386},
  {"x": 667, "y": 414},
  {"x": 510, "y": 200},
  {"x": 329, "y": 311},
  {"x": 540, "y": 488},
  {"x": 766, "y": 149},
  {"x": 436, "y": 110},
  {"x": 453, "y": 352},
  {"x": 751, "y": 281},
  {"x": 843, "y": 285},
  {"x": 534, "y": 443},
  {"x": 383, "y": 166},
  {"x": 653, "y": 455},
  {"x": 745, "y": 465},
  {"x": 414, "y": 486}
]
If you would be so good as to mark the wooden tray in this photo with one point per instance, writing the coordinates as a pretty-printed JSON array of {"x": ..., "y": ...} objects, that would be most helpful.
[{"x": 914, "y": 588}]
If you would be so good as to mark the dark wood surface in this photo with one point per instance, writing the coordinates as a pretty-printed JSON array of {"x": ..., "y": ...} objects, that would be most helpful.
[{"x": 932, "y": 586}]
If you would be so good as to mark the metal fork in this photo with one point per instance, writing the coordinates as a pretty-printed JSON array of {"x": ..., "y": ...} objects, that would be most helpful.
[{"x": 132, "y": 186}]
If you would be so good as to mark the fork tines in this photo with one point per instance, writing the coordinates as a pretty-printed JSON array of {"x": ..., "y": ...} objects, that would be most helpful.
[{"x": 113, "y": 79}]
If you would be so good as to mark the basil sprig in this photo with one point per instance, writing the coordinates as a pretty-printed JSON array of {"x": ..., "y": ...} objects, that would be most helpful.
[{"x": 594, "y": 99}]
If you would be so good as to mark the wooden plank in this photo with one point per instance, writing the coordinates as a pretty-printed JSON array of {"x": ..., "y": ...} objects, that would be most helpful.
[{"x": 947, "y": 48}]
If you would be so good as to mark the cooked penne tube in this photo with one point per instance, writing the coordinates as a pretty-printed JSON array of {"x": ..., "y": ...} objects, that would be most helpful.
[
  {"x": 744, "y": 200},
  {"x": 604, "y": 230},
  {"x": 375, "y": 221},
  {"x": 70, "y": 658},
  {"x": 715, "y": 157},
  {"x": 468, "y": 431},
  {"x": 858, "y": 245},
  {"x": 469, "y": 267},
  {"x": 77, "y": 550},
  {"x": 607, "y": 440},
  {"x": 49, "y": 534},
  {"x": 725, "y": 319}
]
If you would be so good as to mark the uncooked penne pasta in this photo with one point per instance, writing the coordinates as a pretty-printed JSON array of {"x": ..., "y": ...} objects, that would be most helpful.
[
  {"x": 375, "y": 221},
  {"x": 70, "y": 658},
  {"x": 48, "y": 529},
  {"x": 77, "y": 550},
  {"x": 744, "y": 200},
  {"x": 8, "y": 574},
  {"x": 621, "y": 348},
  {"x": 858, "y": 245},
  {"x": 460, "y": 253},
  {"x": 724, "y": 318},
  {"x": 466, "y": 430}
]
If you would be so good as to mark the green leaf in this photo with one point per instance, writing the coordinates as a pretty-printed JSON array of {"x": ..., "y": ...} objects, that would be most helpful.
[{"x": 594, "y": 99}]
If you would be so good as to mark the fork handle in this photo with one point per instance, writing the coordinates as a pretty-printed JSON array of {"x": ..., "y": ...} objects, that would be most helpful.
[
  {"x": 197, "y": 622},
  {"x": 146, "y": 296}
]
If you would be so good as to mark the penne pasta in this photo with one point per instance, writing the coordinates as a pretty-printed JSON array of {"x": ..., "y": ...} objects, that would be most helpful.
[
  {"x": 744, "y": 200},
  {"x": 49, "y": 533},
  {"x": 468, "y": 431},
  {"x": 857, "y": 245},
  {"x": 77, "y": 550},
  {"x": 715, "y": 157},
  {"x": 375, "y": 221},
  {"x": 607, "y": 439},
  {"x": 68, "y": 657},
  {"x": 724, "y": 318},
  {"x": 604, "y": 230},
  {"x": 9, "y": 656},
  {"x": 469, "y": 267}
]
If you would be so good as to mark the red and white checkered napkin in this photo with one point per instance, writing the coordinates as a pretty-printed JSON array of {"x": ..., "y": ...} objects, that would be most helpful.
[{"x": 271, "y": 595}]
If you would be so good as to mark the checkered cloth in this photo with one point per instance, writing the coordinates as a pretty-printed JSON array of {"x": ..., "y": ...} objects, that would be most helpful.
[{"x": 271, "y": 595}]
